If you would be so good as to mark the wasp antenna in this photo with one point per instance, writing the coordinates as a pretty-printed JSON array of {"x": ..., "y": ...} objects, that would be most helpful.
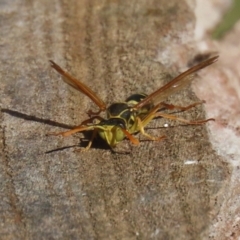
[{"x": 134, "y": 140}]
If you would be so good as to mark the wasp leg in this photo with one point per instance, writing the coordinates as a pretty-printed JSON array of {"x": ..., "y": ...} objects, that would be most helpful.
[
  {"x": 172, "y": 117},
  {"x": 172, "y": 107},
  {"x": 150, "y": 115},
  {"x": 141, "y": 129},
  {"x": 134, "y": 140},
  {"x": 90, "y": 141},
  {"x": 79, "y": 128},
  {"x": 72, "y": 131}
]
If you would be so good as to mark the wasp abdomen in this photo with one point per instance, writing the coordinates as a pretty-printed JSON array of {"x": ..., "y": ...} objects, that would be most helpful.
[{"x": 135, "y": 98}]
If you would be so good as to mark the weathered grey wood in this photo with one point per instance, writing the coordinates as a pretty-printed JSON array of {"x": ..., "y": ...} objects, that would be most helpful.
[{"x": 112, "y": 46}]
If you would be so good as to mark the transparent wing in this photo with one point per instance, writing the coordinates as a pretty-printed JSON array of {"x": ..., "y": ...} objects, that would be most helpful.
[
  {"x": 174, "y": 85},
  {"x": 79, "y": 86}
]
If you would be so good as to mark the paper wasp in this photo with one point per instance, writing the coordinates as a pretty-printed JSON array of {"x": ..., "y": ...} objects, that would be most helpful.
[{"x": 127, "y": 118}]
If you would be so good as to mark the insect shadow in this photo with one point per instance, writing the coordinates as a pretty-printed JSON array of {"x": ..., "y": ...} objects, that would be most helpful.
[
  {"x": 98, "y": 143},
  {"x": 125, "y": 119}
]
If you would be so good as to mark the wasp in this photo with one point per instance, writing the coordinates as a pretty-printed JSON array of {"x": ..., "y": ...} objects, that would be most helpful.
[{"x": 124, "y": 119}]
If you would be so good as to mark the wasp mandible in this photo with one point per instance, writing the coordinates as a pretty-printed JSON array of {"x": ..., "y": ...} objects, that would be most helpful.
[{"x": 127, "y": 118}]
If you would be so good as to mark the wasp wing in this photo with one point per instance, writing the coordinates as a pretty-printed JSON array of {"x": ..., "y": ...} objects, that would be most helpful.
[
  {"x": 174, "y": 85},
  {"x": 79, "y": 86}
]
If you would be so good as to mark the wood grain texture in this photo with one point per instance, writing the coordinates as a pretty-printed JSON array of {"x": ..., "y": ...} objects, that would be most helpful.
[{"x": 112, "y": 46}]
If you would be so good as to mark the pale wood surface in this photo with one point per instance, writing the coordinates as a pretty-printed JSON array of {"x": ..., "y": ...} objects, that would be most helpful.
[{"x": 111, "y": 46}]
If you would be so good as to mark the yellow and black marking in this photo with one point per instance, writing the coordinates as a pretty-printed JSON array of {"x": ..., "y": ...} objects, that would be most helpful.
[{"x": 129, "y": 117}]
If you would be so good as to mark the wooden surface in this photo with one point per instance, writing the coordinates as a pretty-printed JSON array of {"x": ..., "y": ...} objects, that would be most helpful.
[{"x": 49, "y": 190}]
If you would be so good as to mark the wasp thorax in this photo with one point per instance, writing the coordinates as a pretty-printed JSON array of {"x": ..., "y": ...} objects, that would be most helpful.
[
  {"x": 116, "y": 109},
  {"x": 135, "y": 99}
]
